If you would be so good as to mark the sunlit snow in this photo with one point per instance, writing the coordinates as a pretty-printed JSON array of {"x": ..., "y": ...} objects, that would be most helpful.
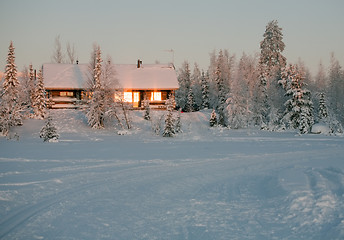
[{"x": 204, "y": 183}]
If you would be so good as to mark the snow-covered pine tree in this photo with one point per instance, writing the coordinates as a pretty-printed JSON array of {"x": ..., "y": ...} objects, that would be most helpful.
[
  {"x": 39, "y": 104},
  {"x": 205, "y": 91},
  {"x": 271, "y": 49},
  {"x": 299, "y": 107},
  {"x": 49, "y": 131},
  {"x": 169, "y": 130},
  {"x": 10, "y": 105},
  {"x": 213, "y": 119},
  {"x": 96, "y": 111},
  {"x": 271, "y": 64}
]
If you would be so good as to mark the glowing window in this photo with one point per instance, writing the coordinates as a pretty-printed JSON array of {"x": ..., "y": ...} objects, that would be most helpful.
[
  {"x": 69, "y": 94},
  {"x": 136, "y": 96},
  {"x": 156, "y": 96},
  {"x": 128, "y": 96}
]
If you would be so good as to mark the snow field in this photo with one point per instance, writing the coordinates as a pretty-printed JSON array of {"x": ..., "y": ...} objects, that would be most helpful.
[{"x": 201, "y": 184}]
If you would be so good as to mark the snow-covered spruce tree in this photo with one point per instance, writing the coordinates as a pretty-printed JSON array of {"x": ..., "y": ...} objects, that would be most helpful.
[
  {"x": 299, "y": 107},
  {"x": 322, "y": 112},
  {"x": 222, "y": 98},
  {"x": 146, "y": 115},
  {"x": 10, "y": 105},
  {"x": 39, "y": 104},
  {"x": 213, "y": 119},
  {"x": 49, "y": 131},
  {"x": 178, "y": 124},
  {"x": 184, "y": 80},
  {"x": 96, "y": 111},
  {"x": 32, "y": 85},
  {"x": 169, "y": 130},
  {"x": 190, "y": 104},
  {"x": 205, "y": 91}
]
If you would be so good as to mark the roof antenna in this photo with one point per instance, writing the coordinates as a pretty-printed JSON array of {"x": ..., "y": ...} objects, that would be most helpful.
[{"x": 171, "y": 51}]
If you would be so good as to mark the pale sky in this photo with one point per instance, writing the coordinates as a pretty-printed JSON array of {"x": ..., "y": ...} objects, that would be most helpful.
[{"x": 131, "y": 29}]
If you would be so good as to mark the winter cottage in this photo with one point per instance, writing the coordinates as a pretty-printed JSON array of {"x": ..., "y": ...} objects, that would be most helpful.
[{"x": 67, "y": 84}]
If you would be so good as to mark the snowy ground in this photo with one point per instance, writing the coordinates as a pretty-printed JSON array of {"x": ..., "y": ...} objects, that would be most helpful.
[{"x": 202, "y": 184}]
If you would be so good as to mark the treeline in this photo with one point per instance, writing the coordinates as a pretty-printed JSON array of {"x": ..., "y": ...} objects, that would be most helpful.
[{"x": 264, "y": 91}]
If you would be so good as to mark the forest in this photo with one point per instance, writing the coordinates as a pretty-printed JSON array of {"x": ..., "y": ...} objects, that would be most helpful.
[{"x": 263, "y": 91}]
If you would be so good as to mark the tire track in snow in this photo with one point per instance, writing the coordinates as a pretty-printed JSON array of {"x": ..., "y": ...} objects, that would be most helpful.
[
  {"x": 23, "y": 214},
  {"x": 320, "y": 206}
]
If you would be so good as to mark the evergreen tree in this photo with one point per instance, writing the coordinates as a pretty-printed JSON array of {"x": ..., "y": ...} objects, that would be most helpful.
[
  {"x": 49, "y": 131},
  {"x": 147, "y": 110},
  {"x": 10, "y": 105},
  {"x": 96, "y": 108},
  {"x": 271, "y": 48},
  {"x": 271, "y": 63},
  {"x": 299, "y": 107},
  {"x": 323, "y": 112},
  {"x": 213, "y": 119},
  {"x": 169, "y": 130},
  {"x": 205, "y": 91},
  {"x": 222, "y": 97},
  {"x": 39, "y": 104},
  {"x": 184, "y": 80},
  {"x": 178, "y": 125},
  {"x": 31, "y": 85},
  {"x": 190, "y": 106}
]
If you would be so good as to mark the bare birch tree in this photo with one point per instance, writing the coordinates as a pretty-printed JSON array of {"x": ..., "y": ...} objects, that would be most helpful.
[
  {"x": 71, "y": 53},
  {"x": 57, "y": 55}
]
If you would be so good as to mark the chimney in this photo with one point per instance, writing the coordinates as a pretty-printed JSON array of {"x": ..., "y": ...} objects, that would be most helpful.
[{"x": 139, "y": 63}]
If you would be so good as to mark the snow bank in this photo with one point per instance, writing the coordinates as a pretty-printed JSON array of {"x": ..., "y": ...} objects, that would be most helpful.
[{"x": 320, "y": 128}]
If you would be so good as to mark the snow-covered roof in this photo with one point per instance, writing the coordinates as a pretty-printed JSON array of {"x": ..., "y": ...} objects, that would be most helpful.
[
  {"x": 76, "y": 76},
  {"x": 65, "y": 76}
]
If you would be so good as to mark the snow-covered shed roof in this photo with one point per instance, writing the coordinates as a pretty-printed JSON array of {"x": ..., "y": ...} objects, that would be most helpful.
[{"x": 129, "y": 76}]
